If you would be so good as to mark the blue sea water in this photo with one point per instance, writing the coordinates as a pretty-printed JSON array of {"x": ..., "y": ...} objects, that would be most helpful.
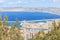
[{"x": 28, "y": 15}]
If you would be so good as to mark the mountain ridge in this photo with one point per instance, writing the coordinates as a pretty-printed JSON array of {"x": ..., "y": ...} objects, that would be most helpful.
[{"x": 53, "y": 10}]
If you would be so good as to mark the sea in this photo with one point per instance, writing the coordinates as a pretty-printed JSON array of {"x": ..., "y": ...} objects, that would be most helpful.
[{"x": 28, "y": 16}]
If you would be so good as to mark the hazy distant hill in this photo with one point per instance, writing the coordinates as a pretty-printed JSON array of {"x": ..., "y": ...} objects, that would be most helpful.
[{"x": 49, "y": 9}]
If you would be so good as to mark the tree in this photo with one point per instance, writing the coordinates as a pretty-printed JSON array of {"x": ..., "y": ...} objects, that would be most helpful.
[
  {"x": 12, "y": 33},
  {"x": 39, "y": 35},
  {"x": 54, "y": 25},
  {"x": 15, "y": 33},
  {"x": 54, "y": 34},
  {"x": 5, "y": 22},
  {"x": 0, "y": 27},
  {"x": 0, "y": 20},
  {"x": 16, "y": 22},
  {"x": 58, "y": 25}
]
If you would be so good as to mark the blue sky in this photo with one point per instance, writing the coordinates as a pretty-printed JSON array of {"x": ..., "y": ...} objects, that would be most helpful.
[{"x": 30, "y": 3}]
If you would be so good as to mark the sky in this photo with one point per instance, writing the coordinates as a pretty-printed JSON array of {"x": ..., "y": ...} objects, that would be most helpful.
[{"x": 30, "y": 3}]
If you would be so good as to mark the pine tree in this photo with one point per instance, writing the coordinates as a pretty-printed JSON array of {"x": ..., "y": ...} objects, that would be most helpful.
[
  {"x": 15, "y": 33},
  {"x": 39, "y": 36},
  {"x": 53, "y": 34},
  {"x": 0, "y": 20},
  {"x": 16, "y": 22},
  {"x": 54, "y": 25},
  {"x": 5, "y": 22}
]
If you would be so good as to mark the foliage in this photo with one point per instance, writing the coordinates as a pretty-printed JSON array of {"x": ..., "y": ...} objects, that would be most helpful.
[
  {"x": 0, "y": 20},
  {"x": 5, "y": 21},
  {"x": 9, "y": 33},
  {"x": 16, "y": 22},
  {"x": 13, "y": 32},
  {"x": 54, "y": 34}
]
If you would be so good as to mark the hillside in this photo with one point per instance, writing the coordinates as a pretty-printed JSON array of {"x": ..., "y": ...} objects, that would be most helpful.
[{"x": 54, "y": 10}]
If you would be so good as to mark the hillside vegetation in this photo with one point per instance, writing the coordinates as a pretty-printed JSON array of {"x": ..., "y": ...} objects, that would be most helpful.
[
  {"x": 54, "y": 34},
  {"x": 13, "y": 32},
  {"x": 9, "y": 33}
]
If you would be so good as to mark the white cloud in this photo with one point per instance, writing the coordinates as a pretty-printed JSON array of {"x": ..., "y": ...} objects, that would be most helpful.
[
  {"x": 43, "y": 0},
  {"x": 2, "y": 1},
  {"x": 5, "y": 3},
  {"x": 56, "y": 1},
  {"x": 10, "y": 3},
  {"x": 19, "y": 2},
  {"x": 13, "y": 3}
]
